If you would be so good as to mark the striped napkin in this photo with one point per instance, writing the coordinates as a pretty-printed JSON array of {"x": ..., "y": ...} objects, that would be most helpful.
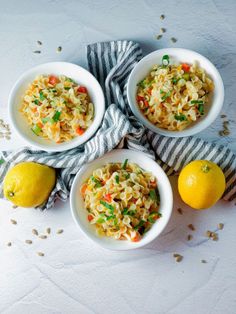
[{"x": 111, "y": 63}]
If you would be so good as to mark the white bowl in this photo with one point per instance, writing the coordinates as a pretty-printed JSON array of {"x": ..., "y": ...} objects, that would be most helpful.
[
  {"x": 177, "y": 55},
  {"x": 77, "y": 73},
  {"x": 80, "y": 214}
]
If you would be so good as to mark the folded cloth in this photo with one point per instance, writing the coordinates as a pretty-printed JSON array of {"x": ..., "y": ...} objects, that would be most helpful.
[{"x": 111, "y": 63}]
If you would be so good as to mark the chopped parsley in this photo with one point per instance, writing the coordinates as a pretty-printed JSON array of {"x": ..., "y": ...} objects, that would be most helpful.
[
  {"x": 117, "y": 179},
  {"x": 98, "y": 183},
  {"x": 124, "y": 164},
  {"x": 180, "y": 117}
]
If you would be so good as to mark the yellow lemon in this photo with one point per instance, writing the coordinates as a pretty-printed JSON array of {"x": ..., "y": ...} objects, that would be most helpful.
[
  {"x": 29, "y": 184},
  {"x": 201, "y": 184}
]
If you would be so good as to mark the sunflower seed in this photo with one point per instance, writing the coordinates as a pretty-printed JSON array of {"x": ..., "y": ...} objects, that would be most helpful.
[
  {"x": 14, "y": 222},
  {"x": 39, "y": 43},
  {"x": 35, "y": 232},
  {"x": 173, "y": 39},
  {"x": 162, "y": 30},
  {"x": 176, "y": 255},
  {"x": 158, "y": 37},
  {"x": 48, "y": 230},
  {"x": 60, "y": 231},
  {"x": 37, "y": 51},
  {"x": 9, "y": 244},
  {"x": 162, "y": 17},
  {"x": 208, "y": 233},
  {"x": 180, "y": 211},
  {"x": 178, "y": 258},
  {"x": 203, "y": 261},
  {"x": 42, "y": 236},
  {"x": 59, "y": 49},
  {"x": 223, "y": 116},
  {"x": 215, "y": 236},
  {"x": 28, "y": 241},
  {"x": 189, "y": 237},
  {"x": 191, "y": 227},
  {"x": 14, "y": 206},
  {"x": 220, "y": 226},
  {"x": 40, "y": 253}
]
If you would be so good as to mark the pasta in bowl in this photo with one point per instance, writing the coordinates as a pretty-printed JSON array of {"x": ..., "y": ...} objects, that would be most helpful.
[
  {"x": 122, "y": 200},
  {"x": 56, "y": 106},
  {"x": 175, "y": 92}
]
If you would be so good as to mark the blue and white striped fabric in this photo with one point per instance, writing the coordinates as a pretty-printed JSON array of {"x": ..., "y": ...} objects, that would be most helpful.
[{"x": 111, "y": 63}]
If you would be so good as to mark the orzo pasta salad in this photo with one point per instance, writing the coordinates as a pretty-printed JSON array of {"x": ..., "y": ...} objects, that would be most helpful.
[
  {"x": 122, "y": 200},
  {"x": 57, "y": 108},
  {"x": 172, "y": 96}
]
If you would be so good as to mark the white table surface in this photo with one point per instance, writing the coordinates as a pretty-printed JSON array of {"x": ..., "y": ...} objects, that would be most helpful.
[{"x": 76, "y": 276}]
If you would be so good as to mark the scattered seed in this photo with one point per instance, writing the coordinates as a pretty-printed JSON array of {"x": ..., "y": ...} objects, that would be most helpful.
[
  {"x": 35, "y": 232},
  {"x": 223, "y": 116},
  {"x": 59, "y": 49},
  {"x": 173, "y": 39},
  {"x": 14, "y": 222},
  {"x": 162, "y": 30},
  {"x": 40, "y": 253},
  {"x": 158, "y": 37},
  {"x": 178, "y": 258},
  {"x": 39, "y": 43},
  {"x": 189, "y": 237},
  {"x": 14, "y": 206},
  {"x": 220, "y": 226},
  {"x": 176, "y": 255},
  {"x": 180, "y": 211},
  {"x": 28, "y": 241},
  {"x": 42, "y": 236},
  {"x": 48, "y": 230},
  {"x": 208, "y": 233},
  {"x": 191, "y": 227},
  {"x": 60, "y": 231},
  {"x": 9, "y": 244},
  {"x": 215, "y": 237},
  {"x": 37, "y": 51},
  {"x": 162, "y": 17},
  {"x": 203, "y": 261}
]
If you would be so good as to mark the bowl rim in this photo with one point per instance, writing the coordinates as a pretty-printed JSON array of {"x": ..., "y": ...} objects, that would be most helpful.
[
  {"x": 200, "y": 125},
  {"x": 63, "y": 146},
  {"x": 144, "y": 241}
]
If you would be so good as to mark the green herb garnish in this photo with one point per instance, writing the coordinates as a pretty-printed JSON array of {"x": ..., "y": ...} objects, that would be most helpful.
[
  {"x": 124, "y": 164},
  {"x": 36, "y": 129},
  {"x": 165, "y": 60},
  {"x": 45, "y": 120},
  {"x": 153, "y": 195},
  {"x": 67, "y": 88},
  {"x": 201, "y": 109},
  {"x": 69, "y": 80},
  {"x": 117, "y": 179},
  {"x": 128, "y": 212},
  {"x": 180, "y": 117},
  {"x": 41, "y": 96},
  {"x": 96, "y": 181},
  {"x": 108, "y": 206},
  {"x": 186, "y": 76},
  {"x": 111, "y": 217},
  {"x": 36, "y": 101},
  {"x": 56, "y": 116},
  {"x": 196, "y": 102},
  {"x": 140, "y": 224},
  {"x": 127, "y": 176},
  {"x": 175, "y": 80},
  {"x": 153, "y": 217},
  {"x": 165, "y": 96},
  {"x": 100, "y": 220},
  {"x": 141, "y": 84}
]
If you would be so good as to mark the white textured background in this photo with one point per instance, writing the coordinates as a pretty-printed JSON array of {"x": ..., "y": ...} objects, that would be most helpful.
[{"x": 75, "y": 276}]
